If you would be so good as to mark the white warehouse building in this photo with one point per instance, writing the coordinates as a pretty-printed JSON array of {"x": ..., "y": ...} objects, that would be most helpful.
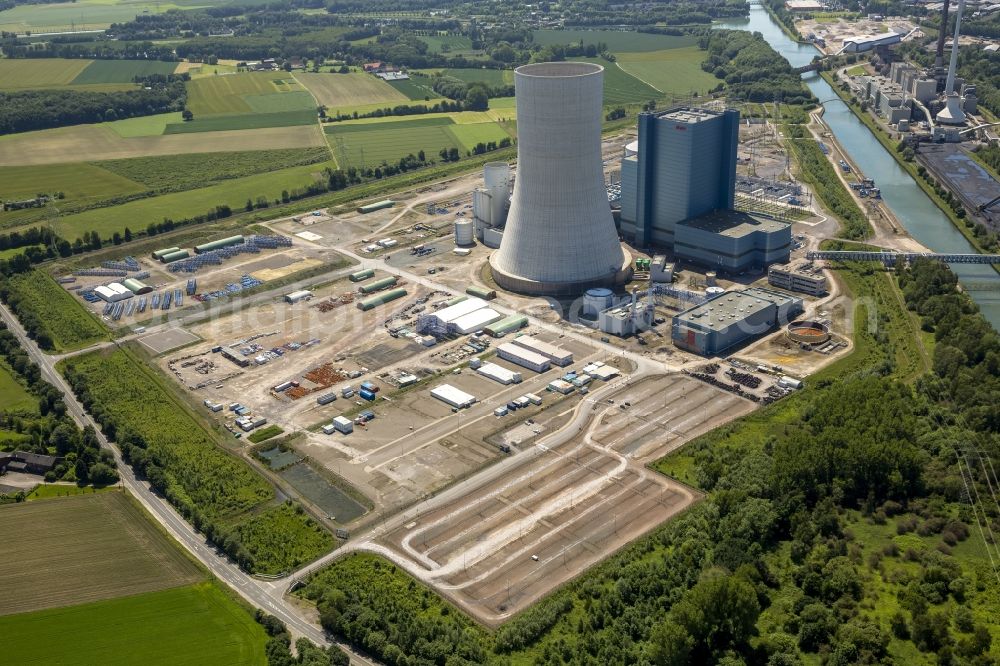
[
  {"x": 498, "y": 373},
  {"x": 455, "y": 397},
  {"x": 557, "y": 355},
  {"x": 523, "y": 357},
  {"x": 437, "y": 322},
  {"x": 114, "y": 292},
  {"x": 474, "y": 321}
]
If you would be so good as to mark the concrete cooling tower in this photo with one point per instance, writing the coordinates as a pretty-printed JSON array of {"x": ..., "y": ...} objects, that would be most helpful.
[{"x": 560, "y": 238}]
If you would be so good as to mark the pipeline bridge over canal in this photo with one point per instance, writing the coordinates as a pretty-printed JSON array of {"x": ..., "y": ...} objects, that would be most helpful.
[{"x": 890, "y": 258}]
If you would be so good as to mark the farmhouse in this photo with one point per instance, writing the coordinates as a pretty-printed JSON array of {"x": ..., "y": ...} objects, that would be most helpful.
[{"x": 31, "y": 463}]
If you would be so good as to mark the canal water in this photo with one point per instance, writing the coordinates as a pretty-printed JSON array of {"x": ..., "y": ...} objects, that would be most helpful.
[{"x": 914, "y": 209}]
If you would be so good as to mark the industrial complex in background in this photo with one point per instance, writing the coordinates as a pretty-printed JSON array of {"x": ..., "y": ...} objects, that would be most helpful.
[{"x": 556, "y": 233}]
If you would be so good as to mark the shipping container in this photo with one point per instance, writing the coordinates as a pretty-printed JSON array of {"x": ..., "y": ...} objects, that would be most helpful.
[{"x": 366, "y": 395}]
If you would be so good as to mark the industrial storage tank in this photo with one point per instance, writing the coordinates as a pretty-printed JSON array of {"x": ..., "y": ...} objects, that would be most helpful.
[
  {"x": 560, "y": 237},
  {"x": 464, "y": 232},
  {"x": 597, "y": 299}
]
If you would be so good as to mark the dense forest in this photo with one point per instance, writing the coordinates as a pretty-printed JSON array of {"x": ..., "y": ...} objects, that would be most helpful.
[
  {"x": 832, "y": 530},
  {"x": 26, "y": 110},
  {"x": 751, "y": 69}
]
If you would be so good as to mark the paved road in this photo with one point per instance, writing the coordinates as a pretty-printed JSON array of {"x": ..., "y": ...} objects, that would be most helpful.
[{"x": 262, "y": 594}]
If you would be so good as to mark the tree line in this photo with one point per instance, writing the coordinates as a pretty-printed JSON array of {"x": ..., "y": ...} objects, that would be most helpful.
[{"x": 26, "y": 110}]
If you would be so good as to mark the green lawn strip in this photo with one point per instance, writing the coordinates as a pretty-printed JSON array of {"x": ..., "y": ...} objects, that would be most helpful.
[
  {"x": 44, "y": 306},
  {"x": 46, "y": 491},
  {"x": 197, "y": 624},
  {"x": 265, "y": 433},
  {"x": 121, "y": 71},
  {"x": 348, "y": 127},
  {"x": 14, "y": 396}
]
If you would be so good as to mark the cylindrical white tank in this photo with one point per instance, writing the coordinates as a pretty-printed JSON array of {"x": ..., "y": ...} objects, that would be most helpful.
[
  {"x": 714, "y": 291},
  {"x": 596, "y": 300},
  {"x": 710, "y": 278},
  {"x": 560, "y": 237},
  {"x": 464, "y": 232},
  {"x": 632, "y": 148},
  {"x": 496, "y": 179}
]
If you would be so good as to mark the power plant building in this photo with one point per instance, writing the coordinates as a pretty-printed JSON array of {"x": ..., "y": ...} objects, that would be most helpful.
[
  {"x": 732, "y": 319},
  {"x": 678, "y": 190},
  {"x": 560, "y": 237}
]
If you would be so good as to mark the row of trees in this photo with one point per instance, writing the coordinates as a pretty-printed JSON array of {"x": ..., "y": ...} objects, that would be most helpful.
[
  {"x": 26, "y": 110},
  {"x": 50, "y": 430}
]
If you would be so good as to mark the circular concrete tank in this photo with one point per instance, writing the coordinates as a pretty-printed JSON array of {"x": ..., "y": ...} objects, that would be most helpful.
[
  {"x": 597, "y": 299},
  {"x": 560, "y": 237},
  {"x": 464, "y": 232},
  {"x": 808, "y": 332}
]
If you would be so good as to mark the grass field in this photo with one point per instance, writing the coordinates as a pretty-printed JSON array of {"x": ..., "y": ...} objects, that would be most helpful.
[
  {"x": 243, "y": 121},
  {"x": 468, "y": 135},
  {"x": 415, "y": 88},
  {"x": 676, "y": 71},
  {"x": 186, "y": 626},
  {"x": 342, "y": 90},
  {"x": 180, "y": 172},
  {"x": 620, "y": 87},
  {"x": 47, "y": 491},
  {"x": 79, "y": 182},
  {"x": 491, "y": 77},
  {"x": 67, "y": 323},
  {"x": 392, "y": 138},
  {"x": 99, "y": 142},
  {"x": 121, "y": 71},
  {"x": 73, "y": 550},
  {"x": 226, "y": 94},
  {"x": 39, "y": 73},
  {"x": 13, "y": 396},
  {"x": 180, "y": 205},
  {"x": 617, "y": 41},
  {"x": 84, "y": 14}
]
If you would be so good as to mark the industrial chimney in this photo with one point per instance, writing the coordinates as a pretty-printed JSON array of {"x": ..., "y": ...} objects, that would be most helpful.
[
  {"x": 939, "y": 53},
  {"x": 560, "y": 238},
  {"x": 952, "y": 113}
]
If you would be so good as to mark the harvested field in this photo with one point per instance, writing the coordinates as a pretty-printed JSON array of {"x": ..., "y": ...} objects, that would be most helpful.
[
  {"x": 340, "y": 90},
  {"x": 98, "y": 142},
  {"x": 39, "y": 73},
  {"x": 77, "y": 549}
]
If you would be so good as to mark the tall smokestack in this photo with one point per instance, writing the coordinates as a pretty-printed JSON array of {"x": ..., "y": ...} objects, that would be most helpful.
[
  {"x": 560, "y": 237},
  {"x": 942, "y": 33},
  {"x": 952, "y": 113}
]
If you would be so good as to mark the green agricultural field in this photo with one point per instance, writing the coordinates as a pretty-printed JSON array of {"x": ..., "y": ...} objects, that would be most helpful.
[
  {"x": 491, "y": 77},
  {"x": 243, "y": 121},
  {"x": 78, "y": 182},
  {"x": 61, "y": 317},
  {"x": 676, "y": 71},
  {"x": 100, "y": 142},
  {"x": 122, "y": 71},
  {"x": 13, "y": 396},
  {"x": 198, "y": 477},
  {"x": 84, "y": 14},
  {"x": 83, "y": 548},
  {"x": 617, "y": 41},
  {"x": 620, "y": 87},
  {"x": 225, "y": 94},
  {"x": 397, "y": 123},
  {"x": 181, "y": 205},
  {"x": 387, "y": 142},
  {"x": 183, "y": 172},
  {"x": 198, "y": 624},
  {"x": 415, "y": 88},
  {"x": 469, "y": 135},
  {"x": 46, "y": 491},
  {"x": 39, "y": 73},
  {"x": 143, "y": 125},
  {"x": 354, "y": 89}
]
